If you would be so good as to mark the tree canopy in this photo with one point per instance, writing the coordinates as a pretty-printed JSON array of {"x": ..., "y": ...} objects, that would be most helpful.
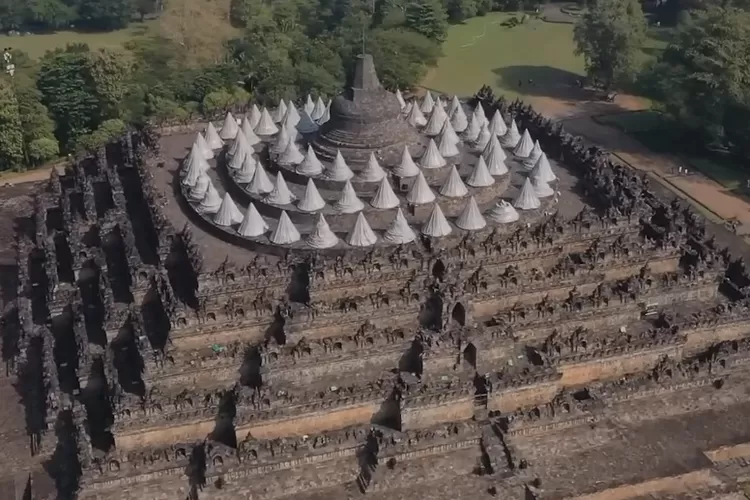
[
  {"x": 609, "y": 35},
  {"x": 705, "y": 77}
]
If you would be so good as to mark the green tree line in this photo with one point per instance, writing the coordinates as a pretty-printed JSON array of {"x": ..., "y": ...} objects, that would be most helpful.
[{"x": 701, "y": 80}]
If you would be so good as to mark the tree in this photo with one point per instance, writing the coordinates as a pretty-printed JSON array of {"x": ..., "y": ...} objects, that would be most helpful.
[
  {"x": 11, "y": 137},
  {"x": 402, "y": 56},
  {"x": 42, "y": 150},
  {"x": 109, "y": 72},
  {"x": 427, "y": 17},
  {"x": 68, "y": 93},
  {"x": 705, "y": 76},
  {"x": 609, "y": 35},
  {"x": 104, "y": 14}
]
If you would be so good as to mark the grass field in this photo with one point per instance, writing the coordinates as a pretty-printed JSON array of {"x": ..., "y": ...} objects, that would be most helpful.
[
  {"x": 481, "y": 51},
  {"x": 37, "y": 45}
]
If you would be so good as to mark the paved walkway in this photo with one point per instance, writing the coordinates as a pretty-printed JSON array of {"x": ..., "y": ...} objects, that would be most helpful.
[{"x": 707, "y": 194}]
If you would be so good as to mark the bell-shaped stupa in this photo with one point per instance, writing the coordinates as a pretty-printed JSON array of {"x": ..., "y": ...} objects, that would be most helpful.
[
  {"x": 407, "y": 167},
  {"x": 212, "y": 137},
  {"x": 527, "y": 198},
  {"x": 321, "y": 236},
  {"x": 436, "y": 225},
  {"x": 311, "y": 201},
  {"x": 310, "y": 164},
  {"x": 480, "y": 176},
  {"x": 542, "y": 170},
  {"x": 228, "y": 213},
  {"x": 285, "y": 233},
  {"x": 384, "y": 196},
  {"x": 503, "y": 213},
  {"x": 470, "y": 218},
  {"x": 229, "y": 128},
  {"x": 280, "y": 194},
  {"x": 361, "y": 235},
  {"x": 246, "y": 173},
  {"x": 252, "y": 224},
  {"x": 453, "y": 187},
  {"x": 364, "y": 118},
  {"x": 339, "y": 170},
  {"x": 373, "y": 172},
  {"x": 420, "y": 192},
  {"x": 266, "y": 127},
  {"x": 431, "y": 158},
  {"x": 261, "y": 184},
  {"x": 399, "y": 232},
  {"x": 348, "y": 202}
]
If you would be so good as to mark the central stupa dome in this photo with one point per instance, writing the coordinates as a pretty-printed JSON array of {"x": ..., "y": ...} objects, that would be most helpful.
[{"x": 365, "y": 118}]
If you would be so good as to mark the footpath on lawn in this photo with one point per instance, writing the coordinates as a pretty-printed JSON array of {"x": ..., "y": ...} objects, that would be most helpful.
[{"x": 711, "y": 198}]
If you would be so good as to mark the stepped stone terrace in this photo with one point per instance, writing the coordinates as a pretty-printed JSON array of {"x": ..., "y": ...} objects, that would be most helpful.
[{"x": 299, "y": 303}]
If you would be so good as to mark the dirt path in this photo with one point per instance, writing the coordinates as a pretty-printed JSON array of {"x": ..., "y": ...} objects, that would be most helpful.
[{"x": 700, "y": 190}]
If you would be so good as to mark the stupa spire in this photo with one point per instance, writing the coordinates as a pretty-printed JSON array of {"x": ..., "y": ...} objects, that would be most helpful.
[
  {"x": 416, "y": 118},
  {"x": 193, "y": 166},
  {"x": 282, "y": 139},
  {"x": 318, "y": 110}
]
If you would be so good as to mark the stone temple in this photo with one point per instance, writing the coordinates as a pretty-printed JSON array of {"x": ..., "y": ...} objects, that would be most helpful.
[{"x": 377, "y": 297}]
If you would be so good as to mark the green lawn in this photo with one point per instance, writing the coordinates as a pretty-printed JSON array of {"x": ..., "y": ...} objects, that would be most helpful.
[
  {"x": 37, "y": 45},
  {"x": 481, "y": 51}
]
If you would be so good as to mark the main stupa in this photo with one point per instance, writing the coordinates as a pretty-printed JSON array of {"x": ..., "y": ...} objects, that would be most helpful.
[{"x": 365, "y": 119}]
